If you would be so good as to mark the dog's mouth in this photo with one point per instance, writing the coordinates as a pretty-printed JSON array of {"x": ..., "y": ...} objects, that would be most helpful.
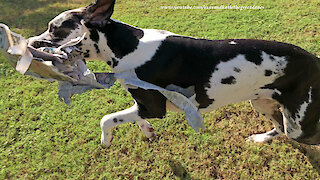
[
  {"x": 44, "y": 40},
  {"x": 44, "y": 43}
]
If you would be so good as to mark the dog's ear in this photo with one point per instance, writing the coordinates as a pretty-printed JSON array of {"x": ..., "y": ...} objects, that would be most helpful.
[{"x": 99, "y": 13}]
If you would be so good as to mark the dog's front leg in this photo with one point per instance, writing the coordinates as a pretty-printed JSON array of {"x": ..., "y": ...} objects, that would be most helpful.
[{"x": 110, "y": 121}]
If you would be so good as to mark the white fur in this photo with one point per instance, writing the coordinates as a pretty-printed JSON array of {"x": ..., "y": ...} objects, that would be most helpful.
[
  {"x": 260, "y": 138},
  {"x": 277, "y": 91},
  {"x": 248, "y": 80},
  {"x": 105, "y": 51},
  {"x": 107, "y": 123},
  {"x": 58, "y": 20}
]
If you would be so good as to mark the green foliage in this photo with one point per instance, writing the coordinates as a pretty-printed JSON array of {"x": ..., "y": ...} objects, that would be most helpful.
[{"x": 41, "y": 138}]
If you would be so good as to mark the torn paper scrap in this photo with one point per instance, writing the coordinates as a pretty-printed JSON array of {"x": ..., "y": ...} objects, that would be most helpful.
[
  {"x": 188, "y": 92},
  {"x": 67, "y": 89}
]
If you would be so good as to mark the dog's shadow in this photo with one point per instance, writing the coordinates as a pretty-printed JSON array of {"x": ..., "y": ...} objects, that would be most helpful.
[
  {"x": 312, "y": 152},
  {"x": 178, "y": 170}
]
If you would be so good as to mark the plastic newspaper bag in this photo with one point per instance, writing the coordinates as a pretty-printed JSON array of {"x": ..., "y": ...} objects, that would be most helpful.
[{"x": 66, "y": 65}]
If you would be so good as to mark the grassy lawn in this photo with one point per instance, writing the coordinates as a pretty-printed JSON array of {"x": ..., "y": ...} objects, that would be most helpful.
[{"x": 42, "y": 138}]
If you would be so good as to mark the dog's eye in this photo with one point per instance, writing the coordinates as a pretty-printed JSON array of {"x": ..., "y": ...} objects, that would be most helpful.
[{"x": 51, "y": 29}]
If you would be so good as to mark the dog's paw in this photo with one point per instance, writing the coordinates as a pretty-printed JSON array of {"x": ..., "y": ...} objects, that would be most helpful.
[
  {"x": 106, "y": 140},
  {"x": 259, "y": 138},
  {"x": 150, "y": 134},
  {"x": 147, "y": 129}
]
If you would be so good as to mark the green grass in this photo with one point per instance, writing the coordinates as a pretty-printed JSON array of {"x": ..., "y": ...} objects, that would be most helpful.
[{"x": 41, "y": 138}]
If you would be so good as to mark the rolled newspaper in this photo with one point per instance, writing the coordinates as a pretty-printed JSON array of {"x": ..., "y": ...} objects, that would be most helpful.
[
  {"x": 76, "y": 78},
  {"x": 13, "y": 45},
  {"x": 30, "y": 61}
]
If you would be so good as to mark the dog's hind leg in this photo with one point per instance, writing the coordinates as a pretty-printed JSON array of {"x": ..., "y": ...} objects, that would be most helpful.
[
  {"x": 303, "y": 123},
  {"x": 131, "y": 114},
  {"x": 270, "y": 109}
]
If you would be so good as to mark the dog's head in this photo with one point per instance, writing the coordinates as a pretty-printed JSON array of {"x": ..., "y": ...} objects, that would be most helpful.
[{"x": 74, "y": 23}]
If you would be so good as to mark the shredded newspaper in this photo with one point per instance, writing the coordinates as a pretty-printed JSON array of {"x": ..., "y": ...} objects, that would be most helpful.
[{"x": 66, "y": 65}]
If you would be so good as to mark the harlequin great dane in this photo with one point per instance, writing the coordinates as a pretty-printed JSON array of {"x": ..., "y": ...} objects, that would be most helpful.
[{"x": 281, "y": 80}]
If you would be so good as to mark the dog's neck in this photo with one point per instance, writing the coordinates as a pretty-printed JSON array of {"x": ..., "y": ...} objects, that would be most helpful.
[{"x": 114, "y": 40}]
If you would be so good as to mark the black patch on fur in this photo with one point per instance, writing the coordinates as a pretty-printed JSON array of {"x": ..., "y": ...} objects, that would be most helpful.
[
  {"x": 274, "y": 133},
  {"x": 237, "y": 69},
  {"x": 151, "y": 103},
  {"x": 268, "y": 73},
  {"x": 201, "y": 96},
  {"x": 254, "y": 56},
  {"x": 122, "y": 39},
  {"x": 228, "y": 80},
  {"x": 62, "y": 30},
  {"x": 87, "y": 54},
  {"x": 94, "y": 36},
  {"x": 114, "y": 62},
  {"x": 97, "y": 48},
  {"x": 272, "y": 58}
]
